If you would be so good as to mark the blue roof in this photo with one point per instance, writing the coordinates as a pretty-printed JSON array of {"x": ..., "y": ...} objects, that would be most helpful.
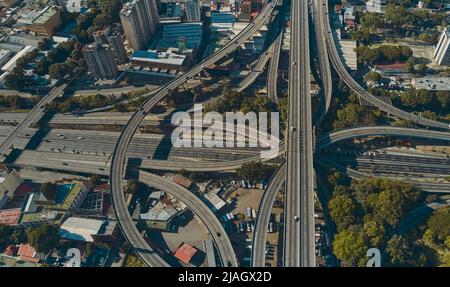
[
  {"x": 62, "y": 190},
  {"x": 218, "y": 17},
  {"x": 145, "y": 54}
]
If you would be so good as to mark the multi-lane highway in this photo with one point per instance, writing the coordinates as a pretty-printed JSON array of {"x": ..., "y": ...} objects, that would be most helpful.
[
  {"x": 324, "y": 64},
  {"x": 272, "y": 77},
  {"x": 299, "y": 248},
  {"x": 256, "y": 71},
  {"x": 118, "y": 159},
  {"x": 424, "y": 186},
  {"x": 35, "y": 115},
  {"x": 326, "y": 32},
  {"x": 69, "y": 161},
  {"x": 396, "y": 164},
  {"x": 333, "y": 137}
]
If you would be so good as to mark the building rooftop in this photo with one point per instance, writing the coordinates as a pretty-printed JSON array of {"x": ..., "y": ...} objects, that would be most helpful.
[
  {"x": 185, "y": 252},
  {"x": 10, "y": 216},
  {"x": 80, "y": 229},
  {"x": 431, "y": 84},
  {"x": 29, "y": 254},
  {"x": 159, "y": 212},
  {"x": 159, "y": 57},
  {"x": 45, "y": 14}
]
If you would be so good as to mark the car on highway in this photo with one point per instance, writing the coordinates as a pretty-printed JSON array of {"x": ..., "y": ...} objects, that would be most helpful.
[
  {"x": 296, "y": 218},
  {"x": 292, "y": 129}
]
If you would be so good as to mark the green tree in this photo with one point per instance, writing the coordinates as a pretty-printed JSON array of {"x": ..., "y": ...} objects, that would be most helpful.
[
  {"x": 342, "y": 210},
  {"x": 439, "y": 224},
  {"x": 350, "y": 247},
  {"x": 5, "y": 233},
  {"x": 353, "y": 115},
  {"x": 416, "y": 98},
  {"x": 375, "y": 232},
  {"x": 372, "y": 20},
  {"x": 19, "y": 236},
  {"x": 399, "y": 251},
  {"x": 443, "y": 98},
  {"x": 254, "y": 171},
  {"x": 58, "y": 71},
  {"x": 44, "y": 238},
  {"x": 373, "y": 76},
  {"x": 95, "y": 179}
]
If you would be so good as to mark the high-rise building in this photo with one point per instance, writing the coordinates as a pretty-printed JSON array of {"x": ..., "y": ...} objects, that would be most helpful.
[
  {"x": 139, "y": 20},
  {"x": 115, "y": 41},
  {"x": 442, "y": 51},
  {"x": 100, "y": 61},
  {"x": 376, "y": 6},
  {"x": 193, "y": 11}
]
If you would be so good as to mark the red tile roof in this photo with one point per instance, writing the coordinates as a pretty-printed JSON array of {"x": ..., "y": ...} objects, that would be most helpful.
[
  {"x": 27, "y": 253},
  {"x": 10, "y": 216},
  {"x": 185, "y": 253}
]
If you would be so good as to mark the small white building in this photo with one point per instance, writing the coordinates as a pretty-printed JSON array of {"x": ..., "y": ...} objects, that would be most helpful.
[
  {"x": 80, "y": 229},
  {"x": 376, "y": 6}
]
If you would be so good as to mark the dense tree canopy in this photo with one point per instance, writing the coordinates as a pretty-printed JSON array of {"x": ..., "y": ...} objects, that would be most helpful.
[
  {"x": 353, "y": 115},
  {"x": 399, "y": 251},
  {"x": 383, "y": 54},
  {"x": 255, "y": 171},
  {"x": 44, "y": 238},
  {"x": 439, "y": 224},
  {"x": 342, "y": 210},
  {"x": 350, "y": 247}
]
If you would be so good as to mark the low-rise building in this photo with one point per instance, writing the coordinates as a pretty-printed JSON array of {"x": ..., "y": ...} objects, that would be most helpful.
[
  {"x": 183, "y": 36},
  {"x": 183, "y": 181},
  {"x": 160, "y": 216},
  {"x": 10, "y": 217},
  {"x": 164, "y": 208},
  {"x": 85, "y": 229},
  {"x": 10, "y": 180},
  {"x": 46, "y": 22},
  {"x": 28, "y": 253},
  {"x": 37, "y": 209},
  {"x": 376, "y": 6},
  {"x": 431, "y": 84},
  {"x": 185, "y": 253},
  {"x": 213, "y": 201},
  {"x": 169, "y": 60},
  {"x": 8, "y": 3}
]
